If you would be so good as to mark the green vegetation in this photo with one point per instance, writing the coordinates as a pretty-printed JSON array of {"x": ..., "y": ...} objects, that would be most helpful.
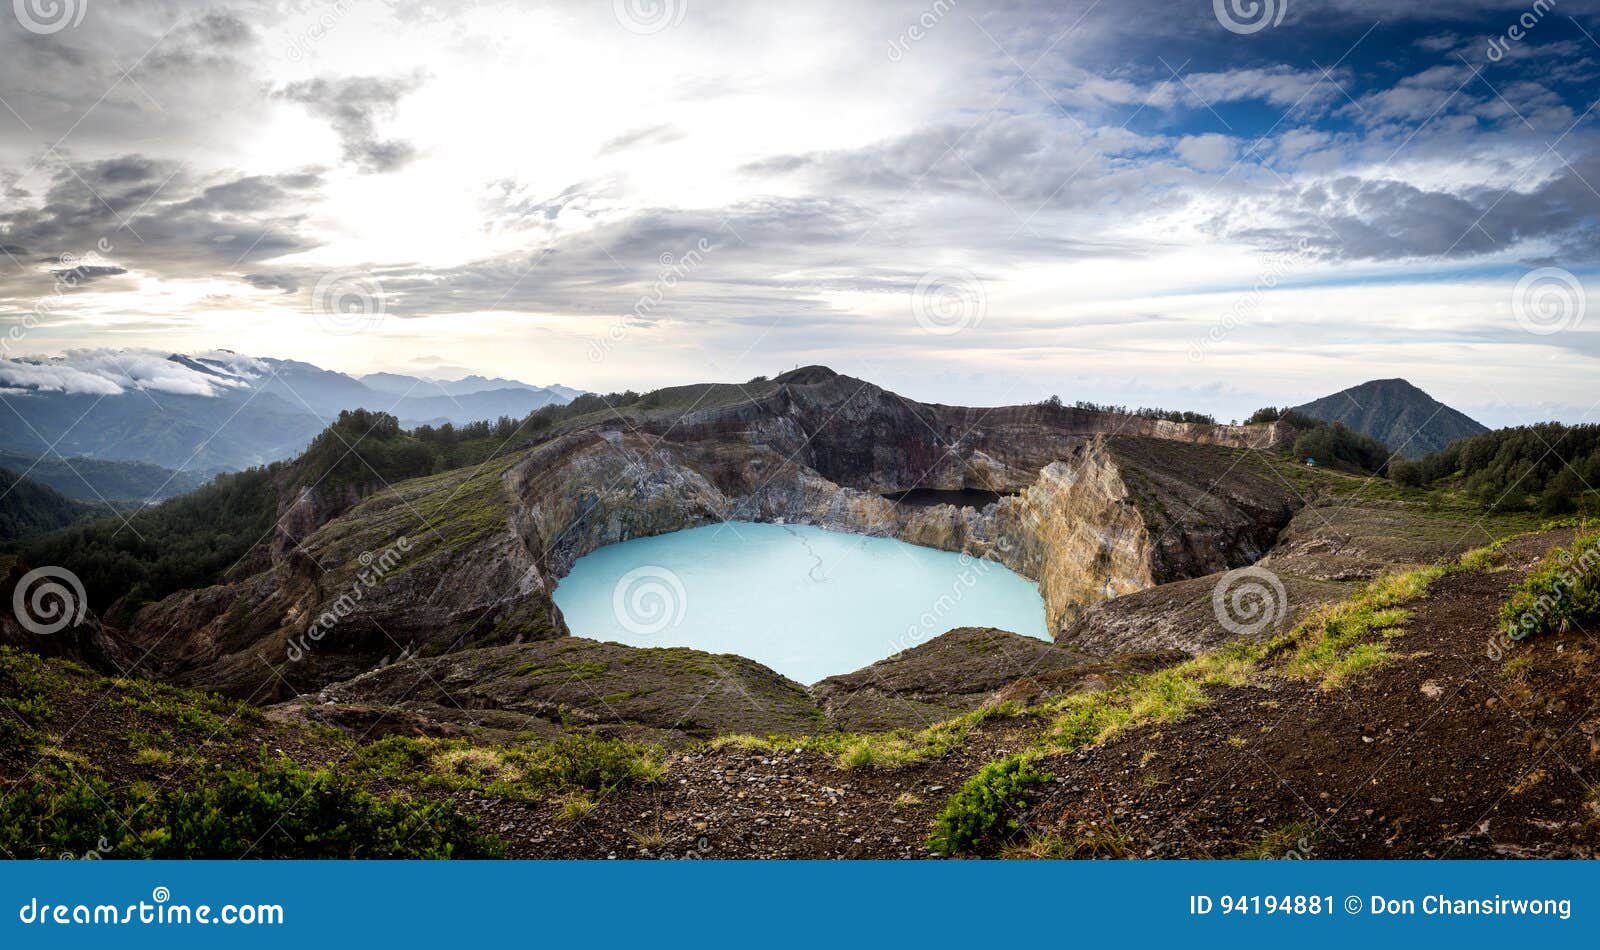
[
  {"x": 1146, "y": 412},
  {"x": 276, "y": 810},
  {"x": 1164, "y": 696},
  {"x": 223, "y": 527},
  {"x": 882, "y": 750},
  {"x": 183, "y": 543},
  {"x": 29, "y": 686},
  {"x": 1297, "y": 839},
  {"x": 1332, "y": 444},
  {"x": 576, "y": 763},
  {"x": 1550, "y": 467},
  {"x": 573, "y": 670},
  {"x": 28, "y": 507},
  {"x": 984, "y": 809},
  {"x": 1331, "y": 646},
  {"x": 1335, "y": 643},
  {"x": 92, "y": 479},
  {"x": 1562, "y": 590}
]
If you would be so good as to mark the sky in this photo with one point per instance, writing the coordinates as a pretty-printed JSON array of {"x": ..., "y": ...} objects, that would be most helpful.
[{"x": 1210, "y": 205}]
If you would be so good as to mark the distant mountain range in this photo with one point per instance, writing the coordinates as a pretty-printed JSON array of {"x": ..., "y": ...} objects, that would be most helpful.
[
  {"x": 1406, "y": 419},
  {"x": 89, "y": 479},
  {"x": 201, "y": 414}
]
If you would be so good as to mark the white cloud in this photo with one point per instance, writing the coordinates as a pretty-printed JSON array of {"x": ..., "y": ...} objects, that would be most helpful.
[
  {"x": 103, "y": 372},
  {"x": 1209, "y": 152},
  {"x": 552, "y": 159}
]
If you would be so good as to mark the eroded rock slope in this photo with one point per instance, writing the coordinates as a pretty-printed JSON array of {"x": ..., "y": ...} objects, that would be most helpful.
[{"x": 1091, "y": 505}]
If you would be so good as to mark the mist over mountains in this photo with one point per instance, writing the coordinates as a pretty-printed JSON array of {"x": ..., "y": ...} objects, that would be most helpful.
[{"x": 206, "y": 413}]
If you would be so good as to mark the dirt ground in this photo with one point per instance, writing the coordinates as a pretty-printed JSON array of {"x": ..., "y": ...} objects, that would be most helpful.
[{"x": 1447, "y": 751}]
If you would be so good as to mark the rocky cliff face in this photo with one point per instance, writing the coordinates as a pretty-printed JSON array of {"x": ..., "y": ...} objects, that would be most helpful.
[
  {"x": 429, "y": 566},
  {"x": 1091, "y": 505}
]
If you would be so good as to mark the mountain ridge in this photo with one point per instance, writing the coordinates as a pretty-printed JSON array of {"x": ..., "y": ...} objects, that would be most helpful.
[
  {"x": 207, "y": 413},
  {"x": 1398, "y": 414}
]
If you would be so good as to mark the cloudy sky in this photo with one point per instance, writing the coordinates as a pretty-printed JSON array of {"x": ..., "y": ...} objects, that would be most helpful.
[{"x": 1209, "y": 205}]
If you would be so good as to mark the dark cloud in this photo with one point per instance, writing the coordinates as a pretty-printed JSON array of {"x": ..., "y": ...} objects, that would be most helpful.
[
  {"x": 353, "y": 106},
  {"x": 135, "y": 212},
  {"x": 1024, "y": 161},
  {"x": 1364, "y": 219},
  {"x": 287, "y": 283},
  {"x": 85, "y": 273},
  {"x": 255, "y": 193},
  {"x": 221, "y": 28},
  {"x": 124, "y": 170}
]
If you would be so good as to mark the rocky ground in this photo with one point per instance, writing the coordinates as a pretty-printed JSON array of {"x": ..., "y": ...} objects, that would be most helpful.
[
  {"x": 1445, "y": 752},
  {"x": 451, "y": 673},
  {"x": 1089, "y": 504}
]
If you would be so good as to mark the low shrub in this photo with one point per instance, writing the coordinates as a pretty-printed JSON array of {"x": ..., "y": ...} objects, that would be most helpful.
[
  {"x": 984, "y": 810},
  {"x": 1563, "y": 589},
  {"x": 276, "y": 810},
  {"x": 569, "y": 763}
]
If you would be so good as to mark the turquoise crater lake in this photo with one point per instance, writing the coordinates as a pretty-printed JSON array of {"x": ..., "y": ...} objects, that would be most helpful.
[{"x": 804, "y": 601}]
